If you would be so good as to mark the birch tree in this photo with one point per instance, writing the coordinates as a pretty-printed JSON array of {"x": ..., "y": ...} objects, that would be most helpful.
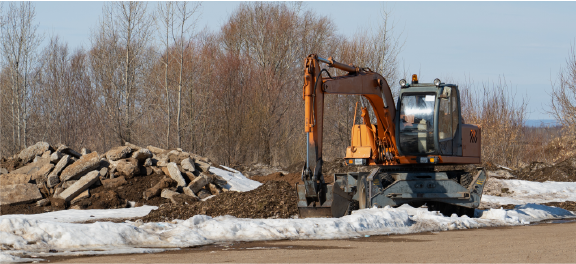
[
  {"x": 185, "y": 19},
  {"x": 165, "y": 24},
  {"x": 19, "y": 43}
]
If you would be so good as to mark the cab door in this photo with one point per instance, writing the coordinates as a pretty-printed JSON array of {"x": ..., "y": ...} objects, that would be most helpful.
[{"x": 447, "y": 120}]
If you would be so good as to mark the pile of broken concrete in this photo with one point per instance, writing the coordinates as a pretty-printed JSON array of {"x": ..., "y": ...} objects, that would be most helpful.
[{"x": 61, "y": 175}]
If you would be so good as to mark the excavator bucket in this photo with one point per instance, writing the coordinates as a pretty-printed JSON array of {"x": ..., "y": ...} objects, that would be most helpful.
[{"x": 330, "y": 201}]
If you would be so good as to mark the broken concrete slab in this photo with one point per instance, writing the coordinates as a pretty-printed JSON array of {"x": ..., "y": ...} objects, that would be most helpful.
[
  {"x": 3, "y": 171},
  {"x": 142, "y": 154},
  {"x": 69, "y": 183},
  {"x": 162, "y": 162},
  {"x": 85, "y": 164},
  {"x": 156, "y": 151},
  {"x": 54, "y": 177},
  {"x": 104, "y": 172},
  {"x": 127, "y": 168},
  {"x": 14, "y": 194},
  {"x": 118, "y": 153},
  {"x": 189, "y": 192},
  {"x": 167, "y": 193},
  {"x": 32, "y": 167},
  {"x": 83, "y": 195},
  {"x": 205, "y": 167},
  {"x": 81, "y": 185},
  {"x": 189, "y": 175},
  {"x": 114, "y": 183},
  {"x": 199, "y": 183},
  {"x": 132, "y": 146},
  {"x": 162, "y": 184},
  {"x": 29, "y": 153},
  {"x": 57, "y": 191},
  {"x": 14, "y": 178},
  {"x": 188, "y": 164},
  {"x": 66, "y": 150},
  {"x": 42, "y": 173},
  {"x": 177, "y": 156},
  {"x": 46, "y": 154},
  {"x": 56, "y": 156},
  {"x": 175, "y": 174}
]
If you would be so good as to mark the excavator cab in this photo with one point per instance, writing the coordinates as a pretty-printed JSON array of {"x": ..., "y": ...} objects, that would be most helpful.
[{"x": 429, "y": 120}]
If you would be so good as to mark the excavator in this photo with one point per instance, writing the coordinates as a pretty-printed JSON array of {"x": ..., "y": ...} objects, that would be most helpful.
[{"x": 420, "y": 150}]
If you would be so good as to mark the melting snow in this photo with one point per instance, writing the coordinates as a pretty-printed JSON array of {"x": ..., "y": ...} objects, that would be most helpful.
[{"x": 42, "y": 235}]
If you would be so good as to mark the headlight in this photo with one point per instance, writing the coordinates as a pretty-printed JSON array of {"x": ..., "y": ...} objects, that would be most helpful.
[
  {"x": 437, "y": 82},
  {"x": 402, "y": 83}
]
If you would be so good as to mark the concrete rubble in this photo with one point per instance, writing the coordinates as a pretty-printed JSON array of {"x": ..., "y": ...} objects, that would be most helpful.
[
  {"x": 62, "y": 177},
  {"x": 19, "y": 194}
]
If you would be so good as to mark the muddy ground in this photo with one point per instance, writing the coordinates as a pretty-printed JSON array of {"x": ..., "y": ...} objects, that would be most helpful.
[{"x": 275, "y": 199}]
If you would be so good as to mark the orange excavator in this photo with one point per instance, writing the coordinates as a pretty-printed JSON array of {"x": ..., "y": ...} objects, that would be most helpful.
[{"x": 421, "y": 151}]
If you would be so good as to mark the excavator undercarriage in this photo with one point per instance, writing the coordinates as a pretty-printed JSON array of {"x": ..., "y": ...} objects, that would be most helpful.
[{"x": 455, "y": 191}]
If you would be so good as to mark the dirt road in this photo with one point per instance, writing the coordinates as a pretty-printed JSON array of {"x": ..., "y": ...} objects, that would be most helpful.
[{"x": 537, "y": 243}]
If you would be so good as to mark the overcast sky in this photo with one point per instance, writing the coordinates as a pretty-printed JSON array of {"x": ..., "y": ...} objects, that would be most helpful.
[{"x": 525, "y": 42}]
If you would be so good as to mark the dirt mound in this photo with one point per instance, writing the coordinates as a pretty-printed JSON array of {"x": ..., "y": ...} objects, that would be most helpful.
[
  {"x": 272, "y": 199},
  {"x": 291, "y": 178},
  {"x": 564, "y": 171}
]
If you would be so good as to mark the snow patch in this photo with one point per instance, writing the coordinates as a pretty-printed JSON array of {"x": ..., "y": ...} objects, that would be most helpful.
[{"x": 236, "y": 180}]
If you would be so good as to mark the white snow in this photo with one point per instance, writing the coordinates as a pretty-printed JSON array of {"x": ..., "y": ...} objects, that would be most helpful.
[
  {"x": 70, "y": 216},
  {"x": 37, "y": 236},
  {"x": 523, "y": 192},
  {"x": 236, "y": 180}
]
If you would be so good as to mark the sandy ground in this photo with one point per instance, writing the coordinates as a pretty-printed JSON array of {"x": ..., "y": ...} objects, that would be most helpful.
[{"x": 535, "y": 243}]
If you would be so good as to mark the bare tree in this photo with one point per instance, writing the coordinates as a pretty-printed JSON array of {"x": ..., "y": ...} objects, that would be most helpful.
[
  {"x": 19, "y": 44},
  {"x": 564, "y": 95},
  {"x": 119, "y": 49},
  {"x": 563, "y": 103},
  {"x": 165, "y": 24},
  {"x": 186, "y": 22}
]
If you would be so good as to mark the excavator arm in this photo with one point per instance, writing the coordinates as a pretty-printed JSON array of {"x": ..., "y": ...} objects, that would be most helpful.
[{"x": 358, "y": 81}]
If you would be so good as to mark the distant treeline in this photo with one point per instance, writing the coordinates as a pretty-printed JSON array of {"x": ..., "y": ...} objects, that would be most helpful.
[{"x": 150, "y": 77}]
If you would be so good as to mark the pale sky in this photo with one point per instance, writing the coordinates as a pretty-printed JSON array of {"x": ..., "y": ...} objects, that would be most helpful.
[{"x": 525, "y": 42}]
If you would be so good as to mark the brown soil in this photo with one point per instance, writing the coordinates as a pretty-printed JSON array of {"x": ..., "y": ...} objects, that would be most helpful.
[
  {"x": 272, "y": 199},
  {"x": 564, "y": 171},
  {"x": 11, "y": 164},
  {"x": 291, "y": 178},
  {"x": 568, "y": 205}
]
